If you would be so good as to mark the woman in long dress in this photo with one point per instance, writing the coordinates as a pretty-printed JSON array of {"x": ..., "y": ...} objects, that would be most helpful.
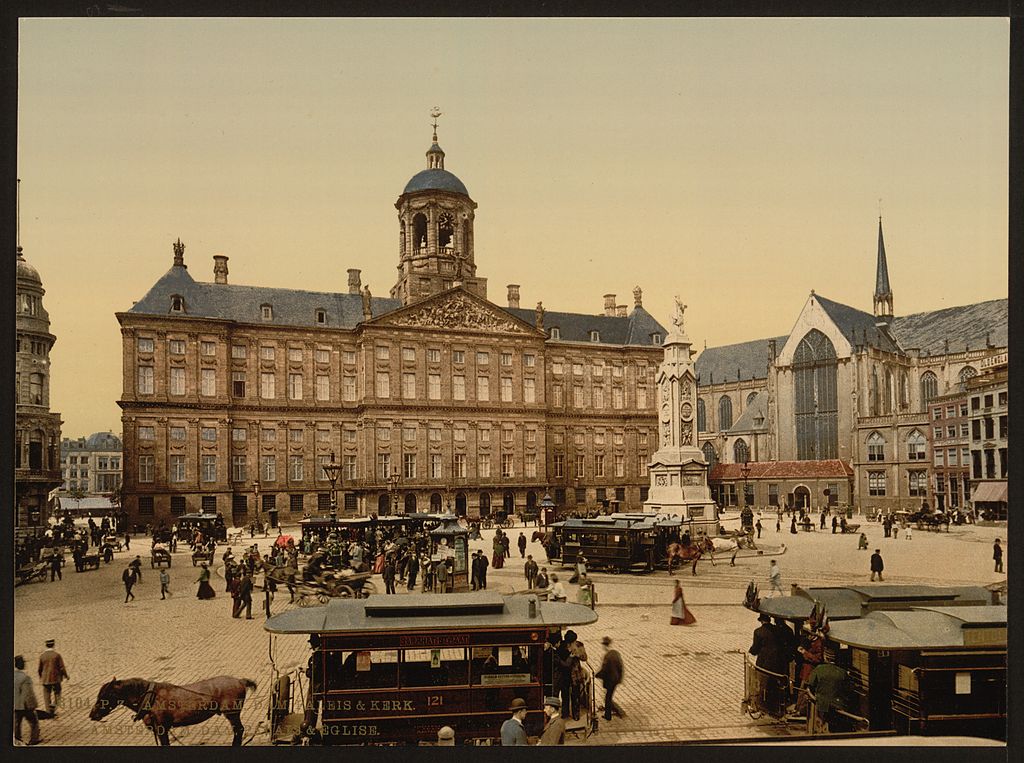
[
  {"x": 680, "y": 614},
  {"x": 498, "y": 557},
  {"x": 205, "y": 589}
]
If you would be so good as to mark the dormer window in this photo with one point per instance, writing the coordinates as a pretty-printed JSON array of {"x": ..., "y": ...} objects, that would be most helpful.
[
  {"x": 321, "y": 316},
  {"x": 266, "y": 312},
  {"x": 595, "y": 336},
  {"x": 554, "y": 333},
  {"x": 177, "y": 303},
  {"x": 655, "y": 338}
]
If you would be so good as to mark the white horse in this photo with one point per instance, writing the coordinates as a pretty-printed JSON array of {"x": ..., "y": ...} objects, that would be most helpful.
[{"x": 724, "y": 545}]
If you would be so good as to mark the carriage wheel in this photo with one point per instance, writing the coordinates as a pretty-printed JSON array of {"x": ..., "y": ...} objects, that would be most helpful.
[
  {"x": 307, "y": 600},
  {"x": 322, "y": 597},
  {"x": 368, "y": 589},
  {"x": 344, "y": 592}
]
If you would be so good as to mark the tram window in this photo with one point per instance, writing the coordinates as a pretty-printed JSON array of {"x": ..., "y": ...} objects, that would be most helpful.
[
  {"x": 494, "y": 665},
  {"x": 362, "y": 670},
  {"x": 434, "y": 667},
  {"x": 592, "y": 539}
]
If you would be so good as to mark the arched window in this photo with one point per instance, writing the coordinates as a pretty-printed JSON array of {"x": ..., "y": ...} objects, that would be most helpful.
[
  {"x": 724, "y": 413},
  {"x": 887, "y": 391},
  {"x": 915, "y": 446},
  {"x": 508, "y": 502},
  {"x": 740, "y": 452},
  {"x": 967, "y": 372},
  {"x": 485, "y": 504},
  {"x": 35, "y": 389},
  {"x": 751, "y": 397},
  {"x": 435, "y": 503},
  {"x": 709, "y": 455},
  {"x": 904, "y": 390},
  {"x": 817, "y": 399},
  {"x": 702, "y": 416},
  {"x": 383, "y": 505},
  {"x": 876, "y": 447},
  {"x": 419, "y": 231},
  {"x": 929, "y": 388},
  {"x": 460, "y": 505},
  {"x": 410, "y": 503}
]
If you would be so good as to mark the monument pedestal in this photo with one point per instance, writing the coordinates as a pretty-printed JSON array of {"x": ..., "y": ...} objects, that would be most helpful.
[{"x": 679, "y": 487}]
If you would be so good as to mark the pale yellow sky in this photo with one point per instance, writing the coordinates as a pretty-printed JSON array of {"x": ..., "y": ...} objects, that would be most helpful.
[{"x": 736, "y": 162}]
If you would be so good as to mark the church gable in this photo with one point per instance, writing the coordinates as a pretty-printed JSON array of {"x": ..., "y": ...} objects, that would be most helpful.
[
  {"x": 456, "y": 310},
  {"x": 814, "y": 316}
]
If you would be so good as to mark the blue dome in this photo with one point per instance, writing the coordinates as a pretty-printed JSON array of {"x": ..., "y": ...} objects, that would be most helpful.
[{"x": 435, "y": 180}]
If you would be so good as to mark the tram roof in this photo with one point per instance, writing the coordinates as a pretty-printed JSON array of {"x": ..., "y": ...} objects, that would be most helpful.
[
  {"x": 367, "y": 521},
  {"x": 617, "y": 522},
  {"x": 424, "y": 611},
  {"x": 844, "y": 603},
  {"x": 925, "y": 628}
]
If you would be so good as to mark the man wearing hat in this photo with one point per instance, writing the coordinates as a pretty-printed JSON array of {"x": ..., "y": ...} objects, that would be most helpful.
[
  {"x": 771, "y": 654},
  {"x": 24, "y": 702},
  {"x": 513, "y": 733},
  {"x": 51, "y": 673},
  {"x": 610, "y": 673},
  {"x": 554, "y": 731}
]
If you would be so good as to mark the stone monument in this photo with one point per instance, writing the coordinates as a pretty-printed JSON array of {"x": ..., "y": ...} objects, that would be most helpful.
[{"x": 678, "y": 471}]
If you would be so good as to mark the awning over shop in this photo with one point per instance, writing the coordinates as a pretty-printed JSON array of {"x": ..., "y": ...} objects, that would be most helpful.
[{"x": 990, "y": 492}]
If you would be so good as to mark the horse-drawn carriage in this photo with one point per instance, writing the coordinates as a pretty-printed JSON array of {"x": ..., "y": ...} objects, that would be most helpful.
[
  {"x": 112, "y": 541},
  {"x": 160, "y": 555},
  {"x": 34, "y": 571},
  {"x": 202, "y": 554},
  {"x": 210, "y": 525},
  {"x": 329, "y": 584}
]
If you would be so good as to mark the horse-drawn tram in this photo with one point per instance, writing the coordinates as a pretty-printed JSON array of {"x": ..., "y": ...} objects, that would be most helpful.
[
  {"x": 920, "y": 660},
  {"x": 394, "y": 670},
  {"x": 617, "y": 543}
]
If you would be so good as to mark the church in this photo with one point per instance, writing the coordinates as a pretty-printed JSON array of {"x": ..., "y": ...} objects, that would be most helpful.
[
  {"x": 841, "y": 412},
  {"x": 433, "y": 398}
]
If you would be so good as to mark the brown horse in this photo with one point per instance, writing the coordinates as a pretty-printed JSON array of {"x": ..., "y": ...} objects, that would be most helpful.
[
  {"x": 161, "y": 706},
  {"x": 693, "y": 552}
]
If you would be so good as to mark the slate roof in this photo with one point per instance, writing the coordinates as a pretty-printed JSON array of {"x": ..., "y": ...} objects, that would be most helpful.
[
  {"x": 633, "y": 329},
  {"x": 963, "y": 326},
  {"x": 102, "y": 441},
  {"x": 716, "y": 365},
  {"x": 857, "y": 326},
  {"x": 834, "y": 468},
  {"x": 435, "y": 180},
  {"x": 758, "y": 407},
  {"x": 291, "y": 307}
]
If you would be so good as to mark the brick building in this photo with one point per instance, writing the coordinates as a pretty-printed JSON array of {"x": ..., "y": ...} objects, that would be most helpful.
[
  {"x": 475, "y": 406},
  {"x": 91, "y": 464}
]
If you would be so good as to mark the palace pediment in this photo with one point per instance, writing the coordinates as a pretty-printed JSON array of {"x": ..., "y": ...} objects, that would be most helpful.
[{"x": 456, "y": 310}]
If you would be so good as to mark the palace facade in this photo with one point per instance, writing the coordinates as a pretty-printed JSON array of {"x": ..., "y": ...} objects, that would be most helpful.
[{"x": 235, "y": 397}]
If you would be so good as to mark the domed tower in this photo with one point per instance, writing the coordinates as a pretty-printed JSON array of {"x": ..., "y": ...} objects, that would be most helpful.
[
  {"x": 435, "y": 232},
  {"x": 37, "y": 430}
]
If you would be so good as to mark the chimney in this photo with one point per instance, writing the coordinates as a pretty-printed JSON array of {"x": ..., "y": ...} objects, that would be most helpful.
[
  {"x": 609, "y": 304},
  {"x": 513, "y": 295},
  {"x": 620, "y": 311},
  {"x": 220, "y": 268},
  {"x": 354, "y": 281}
]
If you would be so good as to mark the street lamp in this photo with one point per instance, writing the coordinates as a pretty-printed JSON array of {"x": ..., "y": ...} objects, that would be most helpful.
[
  {"x": 333, "y": 471},
  {"x": 393, "y": 481},
  {"x": 745, "y": 471},
  {"x": 256, "y": 497}
]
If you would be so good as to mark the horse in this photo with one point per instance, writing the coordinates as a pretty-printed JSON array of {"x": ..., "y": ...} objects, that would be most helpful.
[
  {"x": 693, "y": 552},
  {"x": 162, "y": 706},
  {"x": 539, "y": 535}
]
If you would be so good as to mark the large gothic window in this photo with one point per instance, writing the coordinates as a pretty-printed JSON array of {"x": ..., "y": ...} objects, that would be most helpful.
[
  {"x": 817, "y": 400},
  {"x": 741, "y": 452},
  {"x": 904, "y": 390},
  {"x": 929, "y": 388},
  {"x": 966, "y": 373},
  {"x": 887, "y": 392},
  {"x": 874, "y": 395},
  {"x": 724, "y": 413},
  {"x": 709, "y": 455},
  {"x": 702, "y": 416}
]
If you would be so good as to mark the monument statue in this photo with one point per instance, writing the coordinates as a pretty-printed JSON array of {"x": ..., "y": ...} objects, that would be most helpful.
[
  {"x": 539, "y": 316},
  {"x": 677, "y": 319}
]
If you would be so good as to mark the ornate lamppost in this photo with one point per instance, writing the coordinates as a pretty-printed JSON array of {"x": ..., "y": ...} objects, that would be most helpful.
[
  {"x": 256, "y": 498},
  {"x": 333, "y": 472},
  {"x": 393, "y": 480}
]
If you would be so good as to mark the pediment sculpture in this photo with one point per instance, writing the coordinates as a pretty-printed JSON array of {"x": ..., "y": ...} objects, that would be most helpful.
[{"x": 457, "y": 312}]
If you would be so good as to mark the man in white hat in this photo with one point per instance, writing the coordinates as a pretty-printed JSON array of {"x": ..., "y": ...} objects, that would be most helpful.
[
  {"x": 51, "y": 673},
  {"x": 554, "y": 732},
  {"x": 513, "y": 733}
]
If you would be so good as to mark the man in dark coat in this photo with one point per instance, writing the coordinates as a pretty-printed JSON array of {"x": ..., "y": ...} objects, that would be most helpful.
[
  {"x": 541, "y": 581},
  {"x": 530, "y": 571},
  {"x": 483, "y": 570},
  {"x": 769, "y": 647},
  {"x": 610, "y": 673},
  {"x": 245, "y": 597},
  {"x": 128, "y": 578},
  {"x": 565, "y": 661},
  {"x": 56, "y": 561},
  {"x": 388, "y": 573},
  {"x": 835, "y": 524},
  {"x": 877, "y": 565},
  {"x": 412, "y": 569},
  {"x": 521, "y": 542},
  {"x": 997, "y": 555},
  {"x": 474, "y": 571}
]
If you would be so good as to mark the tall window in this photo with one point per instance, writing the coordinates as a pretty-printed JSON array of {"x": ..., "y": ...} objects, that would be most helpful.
[
  {"x": 383, "y": 383},
  {"x": 383, "y": 466},
  {"x": 876, "y": 447},
  {"x": 483, "y": 389},
  {"x": 348, "y": 388},
  {"x": 295, "y": 468},
  {"x": 709, "y": 455},
  {"x": 435, "y": 466},
  {"x": 177, "y": 380},
  {"x": 238, "y": 383},
  {"x": 268, "y": 468},
  {"x": 323, "y": 387},
  {"x": 349, "y": 466},
  {"x": 208, "y": 382},
  {"x": 904, "y": 390},
  {"x": 458, "y": 387},
  {"x": 483, "y": 465},
  {"x": 295, "y": 386},
  {"x": 580, "y": 466},
  {"x": 507, "y": 468},
  {"x": 702, "y": 416},
  {"x": 145, "y": 384},
  {"x": 530, "y": 390},
  {"x": 641, "y": 397},
  {"x": 146, "y": 468},
  {"x": 599, "y": 465},
  {"x": 530, "y": 465},
  {"x": 409, "y": 386},
  {"x": 617, "y": 398},
  {"x": 238, "y": 469},
  {"x": 434, "y": 386},
  {"x": 577, "y": 395},
  {"x": 459, "y": 465},
  {"x": 409, "y": 466},
  {"x": 817, "y": 399},
  {"x": 598, "y": 397},
  {"x": 916, "y": 446},
  {"x": 724, "y": 413},
  {"x": 929, "y": 388},
  {"x": 267, "y": 385},
  {"x": 177, "y": 469},
  {"x": 876, "y": 483},
  {"x": 558, "y": 465},
  {"x": 741, "y": 452},
  {"x": 887, "y": 392},
  {"x": 620, "y": 465},
  {"x": 209, "y": 469},
  {"x": 506, "y": 389}
]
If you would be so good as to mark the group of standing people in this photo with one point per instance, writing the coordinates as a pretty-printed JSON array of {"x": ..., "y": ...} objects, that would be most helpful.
[{"x": 52, "y": 673}]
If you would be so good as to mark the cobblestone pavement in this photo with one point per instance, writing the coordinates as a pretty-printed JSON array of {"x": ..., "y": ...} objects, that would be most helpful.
[{"x": 682, "y": 683}]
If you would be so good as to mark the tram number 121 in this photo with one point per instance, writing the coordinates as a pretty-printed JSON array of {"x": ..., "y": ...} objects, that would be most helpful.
[{"x": 435, "y": 700}]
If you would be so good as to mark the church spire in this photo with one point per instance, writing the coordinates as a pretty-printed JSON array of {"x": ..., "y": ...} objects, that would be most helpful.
[
  {"x": 435, "y": 156},
  {"x": 883, "y": 292}
]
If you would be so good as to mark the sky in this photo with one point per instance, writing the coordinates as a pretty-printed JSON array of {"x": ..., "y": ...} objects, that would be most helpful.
[{"x": 738, "y": 163}]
